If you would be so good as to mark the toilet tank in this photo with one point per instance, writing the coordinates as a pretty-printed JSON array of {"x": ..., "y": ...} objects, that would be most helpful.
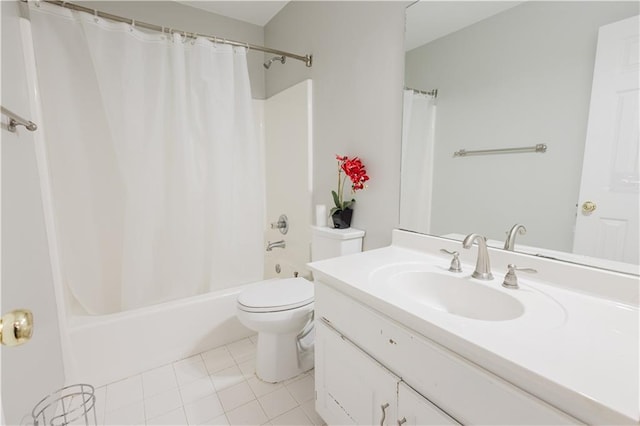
[{"x": 329, "y": 242}]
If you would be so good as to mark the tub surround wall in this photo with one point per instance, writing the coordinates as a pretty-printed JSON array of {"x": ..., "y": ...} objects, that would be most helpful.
[
  {"x": 357, "y": 77},
  {"x": 288, "y": 151}
]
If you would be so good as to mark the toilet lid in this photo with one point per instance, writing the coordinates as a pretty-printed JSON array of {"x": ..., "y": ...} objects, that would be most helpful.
[{"x": 277, "y": 295}]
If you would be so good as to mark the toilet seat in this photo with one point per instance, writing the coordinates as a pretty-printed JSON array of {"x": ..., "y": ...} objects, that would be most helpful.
[{"x": 277, "y": 295}]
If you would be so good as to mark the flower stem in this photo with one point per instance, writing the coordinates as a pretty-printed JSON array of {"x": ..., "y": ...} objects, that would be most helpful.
[{"x": 340, "y": 186}]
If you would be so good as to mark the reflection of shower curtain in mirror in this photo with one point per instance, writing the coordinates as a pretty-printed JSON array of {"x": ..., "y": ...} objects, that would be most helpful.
[
  {"x": 154, "y": 162},
  {"x": 418, "y": 131}
]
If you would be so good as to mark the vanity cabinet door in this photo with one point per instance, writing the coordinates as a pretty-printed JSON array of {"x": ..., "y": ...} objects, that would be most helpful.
[
  {"x": 414, "y": 409},
  {"x": 351, "y": 387}
]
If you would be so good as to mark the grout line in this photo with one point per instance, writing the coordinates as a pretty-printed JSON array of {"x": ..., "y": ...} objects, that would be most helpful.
[{"x": 215, "y": 393}]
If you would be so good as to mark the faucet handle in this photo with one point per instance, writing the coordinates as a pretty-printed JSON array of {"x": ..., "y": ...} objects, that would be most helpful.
[
  {"x": 511, "y": 279},
  {"x": 282, "y": 224},
  {"x": 455, "y": 262}
]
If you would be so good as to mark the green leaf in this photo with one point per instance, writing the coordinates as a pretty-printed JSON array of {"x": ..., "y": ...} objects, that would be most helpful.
[
  {"x": 336, "y": 200},
  {"x": 348, "y": 204},
  {"x": 333, "y": 210}
]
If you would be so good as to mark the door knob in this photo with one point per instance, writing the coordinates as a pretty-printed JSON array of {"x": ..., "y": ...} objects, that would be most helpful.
[
  {"x": 588, "y": 207},
  {"x": 16, "y": 327}
]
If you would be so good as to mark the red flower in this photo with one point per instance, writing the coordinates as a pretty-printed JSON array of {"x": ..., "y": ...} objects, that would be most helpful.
[{"x": 355, "y": 170}]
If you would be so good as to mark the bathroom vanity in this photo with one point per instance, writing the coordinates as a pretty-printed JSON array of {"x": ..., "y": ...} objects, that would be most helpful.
[{"x": 401, "y": 340}]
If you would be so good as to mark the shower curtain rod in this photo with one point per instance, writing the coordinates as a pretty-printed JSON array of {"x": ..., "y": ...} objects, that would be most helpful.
[{"x": 307, "y": 59}]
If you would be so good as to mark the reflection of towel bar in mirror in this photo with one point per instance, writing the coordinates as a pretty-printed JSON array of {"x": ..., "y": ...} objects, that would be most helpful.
[
  {"x": 541, "y": 148},
  {"x": 432, "y": 92}
]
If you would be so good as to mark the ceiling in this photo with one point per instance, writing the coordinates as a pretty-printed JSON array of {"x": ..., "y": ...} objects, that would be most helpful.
[
  {"x": 254, "y": 12},
  {"x": 429, "y": 20}
]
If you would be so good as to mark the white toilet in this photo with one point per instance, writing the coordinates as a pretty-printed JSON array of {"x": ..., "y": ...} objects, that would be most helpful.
[{"x": 281, "y": 310}]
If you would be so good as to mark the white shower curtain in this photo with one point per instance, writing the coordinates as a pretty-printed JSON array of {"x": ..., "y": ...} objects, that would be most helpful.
[
  {"x": 155, "y": 167},
  {"x": 418, "y": 139}
]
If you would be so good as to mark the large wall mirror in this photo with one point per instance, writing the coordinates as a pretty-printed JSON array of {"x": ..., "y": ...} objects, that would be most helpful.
[{"x": 485, "y": 76}]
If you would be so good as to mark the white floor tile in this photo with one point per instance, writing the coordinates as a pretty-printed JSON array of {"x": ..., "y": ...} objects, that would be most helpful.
[
  {"x": 159, "y": 380},
  {"x": 162, "y": 403},
  {"x": 123, "y": 393},
  {"x": 217, "y": 387},
  {"x": 242, "y": 350},
  {"x": 309, "y": 409},
  {"x": 132, "y": 414},
  {"x": 218, "y": 421},
  {"x": 197, "y": 390},
  {"x": 248, "y": 368},
  {"x": 277, "y": 403},
  {"x": 261, "y": 388},
  {"x": 189, "y": 370},
  {"x": 101, "y": 402},
  {"x": 226, "y": 378},
  {"x": 295, "y": 417},
  {"x": 248, "y": 414},
  {"x": 218, "y": 359},
  {"x": 175, "y": 417},
  {"x": 302, "y": 390},
  {"x": 236, "y": 396},
  {"x": 203, "y": 410}
]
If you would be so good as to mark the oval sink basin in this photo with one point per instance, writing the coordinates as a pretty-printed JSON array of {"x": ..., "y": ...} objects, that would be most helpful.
[{"x": 456, "y": 295}]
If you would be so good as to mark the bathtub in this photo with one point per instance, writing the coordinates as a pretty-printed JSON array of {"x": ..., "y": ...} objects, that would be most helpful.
[{"x": 107, "y": 348}]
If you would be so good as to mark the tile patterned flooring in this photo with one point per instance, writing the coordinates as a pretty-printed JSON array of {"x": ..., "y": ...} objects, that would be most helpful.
[{"x": 217, "y": 387}]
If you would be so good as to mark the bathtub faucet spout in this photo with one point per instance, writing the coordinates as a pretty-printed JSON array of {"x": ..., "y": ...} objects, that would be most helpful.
[{"x": 276, "y": 244}]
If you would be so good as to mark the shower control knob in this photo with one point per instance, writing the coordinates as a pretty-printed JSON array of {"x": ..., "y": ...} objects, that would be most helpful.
[{"x": 282, "y": 224}]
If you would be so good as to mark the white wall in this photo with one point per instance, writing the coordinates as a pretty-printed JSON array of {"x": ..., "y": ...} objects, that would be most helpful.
[
  {"x": 31, "y": 371},
  {"x": 519, "y": 78},
  {"x": 357, "y": 76}
]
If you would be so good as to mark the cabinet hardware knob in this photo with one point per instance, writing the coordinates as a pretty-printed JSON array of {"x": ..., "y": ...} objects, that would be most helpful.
[
  {"x": 402, "y": 421},
  {"x": 384, "y": 413}
]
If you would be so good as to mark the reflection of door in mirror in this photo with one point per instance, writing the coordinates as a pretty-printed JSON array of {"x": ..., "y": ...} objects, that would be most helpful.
[
  {"x": 418, "y": 124},
  {"x": 608, "y": 227}
]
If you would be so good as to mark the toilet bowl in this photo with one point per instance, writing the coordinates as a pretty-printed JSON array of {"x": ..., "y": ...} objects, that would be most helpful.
[{"x": 281, "y": 312}]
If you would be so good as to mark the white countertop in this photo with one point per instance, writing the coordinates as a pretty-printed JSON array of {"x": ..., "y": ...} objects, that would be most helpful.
[{"x": 572, "y": 349}]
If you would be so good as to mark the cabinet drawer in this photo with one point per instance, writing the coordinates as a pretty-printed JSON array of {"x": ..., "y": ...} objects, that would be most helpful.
[
  {"x": 351, "y": 387},
  {"x": 415, "y": 410},
  {"x": 464, "y": 390}
]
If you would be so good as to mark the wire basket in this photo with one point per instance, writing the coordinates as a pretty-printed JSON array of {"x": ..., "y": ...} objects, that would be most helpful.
[{"x": 71, "y": 405}]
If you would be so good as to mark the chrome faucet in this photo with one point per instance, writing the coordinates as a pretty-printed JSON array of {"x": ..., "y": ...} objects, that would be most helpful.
[
  {"x": 276, "y": 244},
  {"x": 483, "y": 268},
  {"x": 510, "y": 243}
]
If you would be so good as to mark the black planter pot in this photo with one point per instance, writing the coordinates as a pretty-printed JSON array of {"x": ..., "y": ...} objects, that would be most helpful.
[{"x": 342, "y": 218}]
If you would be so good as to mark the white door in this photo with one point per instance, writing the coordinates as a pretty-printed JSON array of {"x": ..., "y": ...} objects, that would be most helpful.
[
  {"x": 414, "y": 409},
  {"x": 33, "y": 370},
  {"x": 351, "y": 387},
  {"x": 607, "y": 216}
]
